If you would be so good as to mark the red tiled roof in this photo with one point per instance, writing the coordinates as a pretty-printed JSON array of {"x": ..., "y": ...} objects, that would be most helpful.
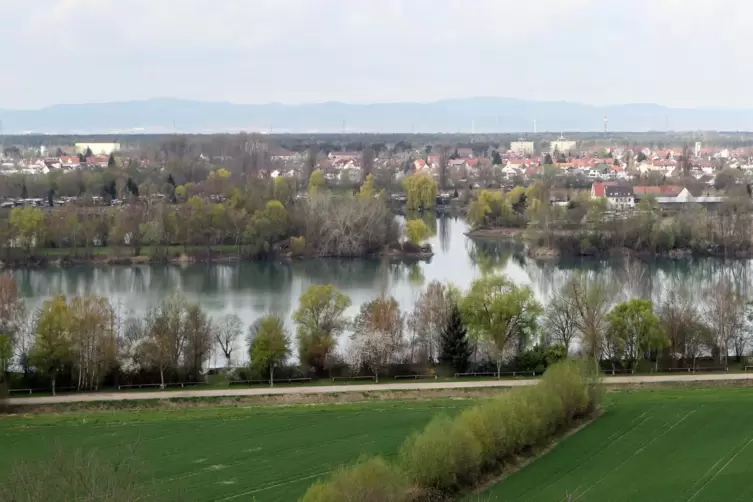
[
  {"x": 598, "y": 189},
  {"x": 665, "y": 190}
]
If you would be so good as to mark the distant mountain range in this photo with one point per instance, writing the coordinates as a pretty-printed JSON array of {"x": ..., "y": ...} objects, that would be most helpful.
[{"x": 480, "y": 115}]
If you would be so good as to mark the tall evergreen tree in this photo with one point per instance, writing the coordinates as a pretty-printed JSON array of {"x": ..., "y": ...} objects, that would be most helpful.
[{"x": 455, "y": 350}]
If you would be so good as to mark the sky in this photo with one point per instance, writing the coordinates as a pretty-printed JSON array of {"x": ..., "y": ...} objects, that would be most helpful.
[{"x": 684, "y": 53}]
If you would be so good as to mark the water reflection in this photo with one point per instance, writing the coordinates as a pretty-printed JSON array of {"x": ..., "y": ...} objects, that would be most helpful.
[{"x": 252, "y": 289}]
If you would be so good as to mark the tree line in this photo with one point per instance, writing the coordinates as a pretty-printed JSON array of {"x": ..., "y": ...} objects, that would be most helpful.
[
  {"x": 493, "y": 326},
  {"x": 586, "y": 226},
  {"x": 252, "y": 221}
]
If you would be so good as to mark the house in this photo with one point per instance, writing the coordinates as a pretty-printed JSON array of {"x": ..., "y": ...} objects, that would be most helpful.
[
  {"x": 98, "y": 160},
  {"x": 509, "y": 172},
  {"x": 420, "y": 165},
  {"x": 619, "y": 197},
  {"x": 598, "y": 189}
]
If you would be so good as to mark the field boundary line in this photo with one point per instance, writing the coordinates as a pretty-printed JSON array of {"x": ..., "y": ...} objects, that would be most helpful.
[
  {"x": 710, "y": 469},
  {"x": 636, "y": 452},
  {"x": 704, "y": 485},
  {"x": 366, "y": 388},
  {"x": 276, "y": 485}
]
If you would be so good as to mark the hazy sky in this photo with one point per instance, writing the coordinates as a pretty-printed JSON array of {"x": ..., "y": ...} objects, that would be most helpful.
[{"x": 673, "y": 52}]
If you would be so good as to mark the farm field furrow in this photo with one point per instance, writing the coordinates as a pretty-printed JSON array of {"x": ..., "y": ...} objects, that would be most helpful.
[
  {"x": 262, "y": 454},
  {"x": 653, "y": 446}
]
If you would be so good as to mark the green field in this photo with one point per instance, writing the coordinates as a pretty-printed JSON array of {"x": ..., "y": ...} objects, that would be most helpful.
[
  {"x": 235, "y": 453},
  {"x": 649, "y": 445},
  {"x": 654, "y": 446}
]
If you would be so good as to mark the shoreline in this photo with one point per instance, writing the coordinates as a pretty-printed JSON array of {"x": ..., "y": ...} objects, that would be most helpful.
[
  {"x": 58, "y": 259},
  {"x": 544, "y": 253}
]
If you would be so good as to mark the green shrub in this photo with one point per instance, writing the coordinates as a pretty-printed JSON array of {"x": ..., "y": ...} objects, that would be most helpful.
[
  {"x": 449, "y": 454},
  {"x": 444, "y": 456},
  {"x": 481, "y": 422},
  {"x": 297, "y": 245},
  {"x": 577, "y": 383},
  {"x": 370, "y": 480}
]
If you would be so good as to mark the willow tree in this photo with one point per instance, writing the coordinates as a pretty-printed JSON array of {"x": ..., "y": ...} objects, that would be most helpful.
[
  {"x": 268, "y": 344},
  {"x": 421, "y": 190},
  {"x": 501, "y": 314},
  {"x": 320, "y": 319}
]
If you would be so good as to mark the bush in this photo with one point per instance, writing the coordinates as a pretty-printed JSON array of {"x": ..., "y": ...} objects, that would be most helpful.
[
  {"x": 297, "y": 245},
  {"x": 450, "y": 454},
  {"x": 75, "y": 475},
  {"x": 577, "y": 383},
  {"x": 443, "y": 457},
  {"x": 481, "y": 422},
  {"x": 371, "y": 480}
]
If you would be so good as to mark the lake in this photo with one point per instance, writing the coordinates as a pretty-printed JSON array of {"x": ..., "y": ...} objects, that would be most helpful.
[{"x": 251, "y": 289}]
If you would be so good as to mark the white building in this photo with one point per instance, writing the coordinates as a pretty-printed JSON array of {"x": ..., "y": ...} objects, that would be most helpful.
[
  {"x": 562, "y": 145},
  {"x": 522, "y": 147},
  {"x": 98, "y": 148}
]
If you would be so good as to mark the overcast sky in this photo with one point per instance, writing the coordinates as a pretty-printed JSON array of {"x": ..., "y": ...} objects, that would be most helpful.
[{"x": 673, "y": 52}]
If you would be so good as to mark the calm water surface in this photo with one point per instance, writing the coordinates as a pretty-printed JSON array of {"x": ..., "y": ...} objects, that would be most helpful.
[{"x": 255, "y": 288}]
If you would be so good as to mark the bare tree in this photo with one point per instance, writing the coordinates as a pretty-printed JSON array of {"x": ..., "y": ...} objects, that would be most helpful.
[
  {"x": 724, "y": 313},
  {"x": 198, "y": 339},
  {"x": 560, "y": 319},
  {"x": 346, "y": 227},
  {"x": 227, "y": 331},
  {"x": 592, "y": 299},
  {"x": 163, "y": 346},
  {"x": 94, "y": 340},
  {"x": 429, "y": 317}
]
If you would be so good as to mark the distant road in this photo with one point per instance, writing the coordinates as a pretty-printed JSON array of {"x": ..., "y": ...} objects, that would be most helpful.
[{"x": 229, "y": 392}]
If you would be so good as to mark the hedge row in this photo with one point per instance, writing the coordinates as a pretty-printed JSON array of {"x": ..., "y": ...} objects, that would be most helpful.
[{"x": 450, "y": 455}]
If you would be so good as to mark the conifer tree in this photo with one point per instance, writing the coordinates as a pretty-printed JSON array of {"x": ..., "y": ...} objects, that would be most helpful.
[{"x": 455, "y": 350}]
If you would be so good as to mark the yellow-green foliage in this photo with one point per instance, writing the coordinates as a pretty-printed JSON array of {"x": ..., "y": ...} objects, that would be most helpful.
[
  {"x": 372, "y": 480},
  {"x": 421, "y": 190},
  {"x": 450, "y": 454},
  {"x": 416, "y": 231},
  {"x": 445, "y": 455},
  {"x": 297, "y": 245},
  {"x": 485, "y": 207},
  {"x": 317, "y": 183},
  {"x": 368, "y": 190}
]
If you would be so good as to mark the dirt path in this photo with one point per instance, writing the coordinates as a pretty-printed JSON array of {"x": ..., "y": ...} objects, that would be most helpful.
[{"x": 336, "y": 389}]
